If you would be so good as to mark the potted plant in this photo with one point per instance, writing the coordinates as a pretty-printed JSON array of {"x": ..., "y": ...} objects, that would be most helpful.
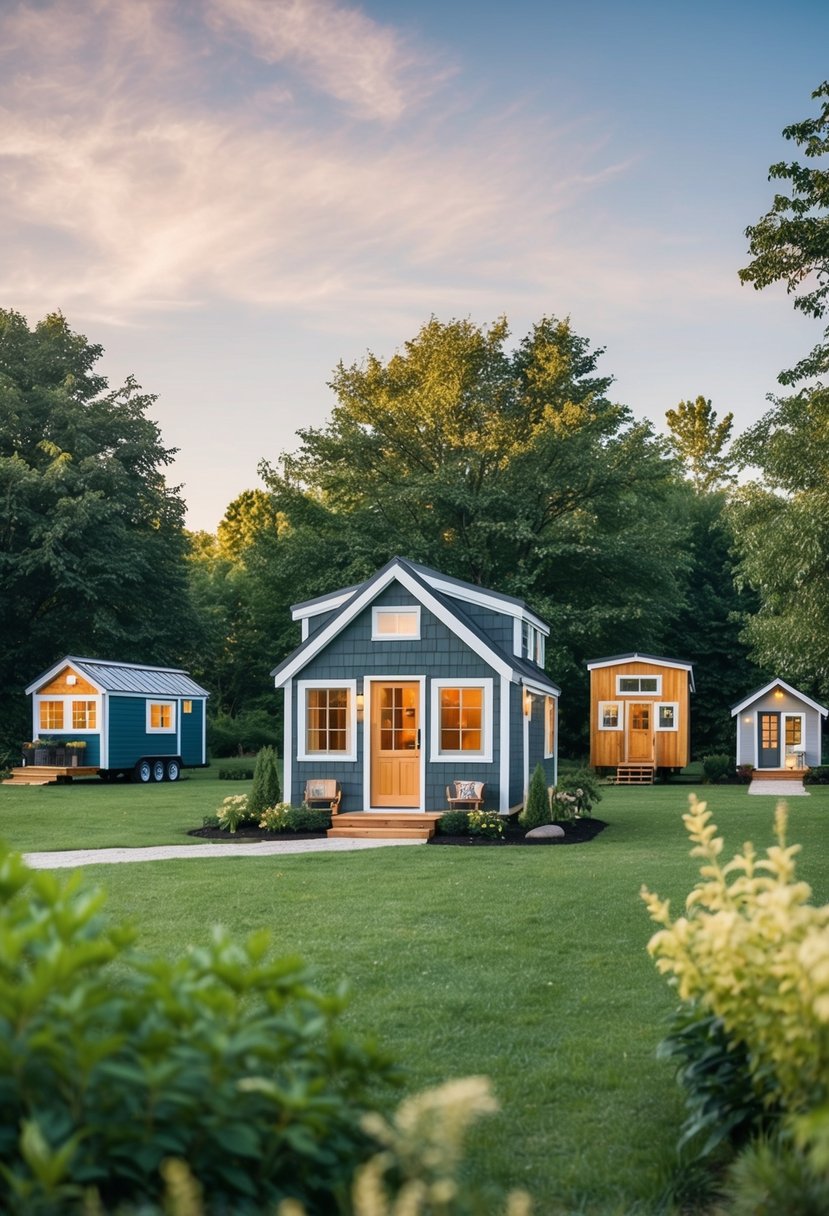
[{"x": 75, "y": 751}]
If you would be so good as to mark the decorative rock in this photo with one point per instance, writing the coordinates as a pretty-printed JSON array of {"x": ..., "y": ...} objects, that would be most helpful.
[{"x": 547, "y": 831}]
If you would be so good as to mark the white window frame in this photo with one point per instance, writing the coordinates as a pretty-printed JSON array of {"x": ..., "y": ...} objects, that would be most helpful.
[
  {"x": 47, "y": 730},
  {"x": 784, "y": 717},
  {"x": 532, "y": 643},
  {"x": 484, "y": 756},
  {"x": 550, "y": 722},
  {"x": 620, "y": 706},
  {"x": 658, "y": 707},
  {"x": 67, "y": 728},
  {"x": 84, "y": 730},
  {"x": 651, "y": 692},
  {"x": 161, "y": 730},
  {"x": 350, "y": 754},
  {"x": 412, "y": 610}
]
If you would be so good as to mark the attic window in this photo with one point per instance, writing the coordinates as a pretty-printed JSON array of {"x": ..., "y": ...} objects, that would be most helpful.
[
  {"x": 625, "y": 685},
  {"x": 389, "y": 624},
  {"x": 532, "y": 643}
]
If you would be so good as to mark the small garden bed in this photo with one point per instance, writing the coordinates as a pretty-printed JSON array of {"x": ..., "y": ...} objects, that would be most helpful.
[{"x": 577, "y": 831}]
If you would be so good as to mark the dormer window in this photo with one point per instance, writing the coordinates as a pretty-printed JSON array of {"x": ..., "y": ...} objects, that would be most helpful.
[
  {"x": 532, "y": 643},
  {"x": 395, "y": 624}
]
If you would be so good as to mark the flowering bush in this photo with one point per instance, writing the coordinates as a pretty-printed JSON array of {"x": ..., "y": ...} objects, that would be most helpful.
[
  {"x": 484, "y": 823},
  {"x": 754, "y": 952},
  {"x": 574, "y": 795},
  {"x": 275, "y": 818},
  {"x": 233, "y": 811}
]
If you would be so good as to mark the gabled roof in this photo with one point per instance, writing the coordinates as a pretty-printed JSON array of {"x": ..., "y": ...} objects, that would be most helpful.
[
  {"x": 442, "y": 606},
  {"x": 455, "y": 588},
  {"x": 636, "y": 657},
  {"x": 134, "y": 678},
  {"x": 766, "y": 688}
]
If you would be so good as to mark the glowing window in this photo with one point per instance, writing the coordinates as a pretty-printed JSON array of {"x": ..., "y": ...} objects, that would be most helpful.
[
  {"x": 84, "y": 715},
  {"x": 51, "y": 715}
]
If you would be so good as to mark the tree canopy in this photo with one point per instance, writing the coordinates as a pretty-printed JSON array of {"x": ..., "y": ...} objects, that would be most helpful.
[
  {"x": 699, "y": 441},
  {"x": 91, "y": 540},
  {"x": 790, "y": 243}
]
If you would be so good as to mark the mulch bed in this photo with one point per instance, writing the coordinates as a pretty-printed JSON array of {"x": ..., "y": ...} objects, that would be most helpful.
[{"x": 578, "y": 832}]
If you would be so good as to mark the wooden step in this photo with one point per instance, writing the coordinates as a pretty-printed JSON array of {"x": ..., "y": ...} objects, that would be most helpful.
[
  {"x": 635, "y": 774},
  {"x": 779, "y": 774},
  {"x": 47, "y": 774},
  {"x": 379, "y": 825}
]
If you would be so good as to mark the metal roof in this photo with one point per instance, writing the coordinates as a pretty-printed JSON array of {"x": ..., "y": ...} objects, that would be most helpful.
[{"x": 112, "y": 676}]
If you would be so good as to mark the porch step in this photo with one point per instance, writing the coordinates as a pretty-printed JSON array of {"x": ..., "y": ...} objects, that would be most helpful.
[
  {"x": 398, "y": 825},
  {"x": 47, "y": 774},
  {"x": 779, "y": 774},
  {"x": 634, "y": 774}
]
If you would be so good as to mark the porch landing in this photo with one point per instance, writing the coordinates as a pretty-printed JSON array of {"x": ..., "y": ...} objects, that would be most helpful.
[
  {"x": 381, "y": 825},
  {"x": 780, "y": 783},
  {"x": 48, "y": 774}
]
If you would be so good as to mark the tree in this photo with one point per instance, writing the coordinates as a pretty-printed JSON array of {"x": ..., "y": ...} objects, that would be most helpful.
[
  {"x": 782, "y": 529},
  {"x": 790, "y": 243},
  {"x": 699, "y": 441},
  {"x": 91, "y": 540},
  {"x": 509, "y": 469}
]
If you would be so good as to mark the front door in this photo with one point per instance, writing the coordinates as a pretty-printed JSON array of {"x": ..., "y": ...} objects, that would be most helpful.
[
  {"x": 768, "y": 740},
  {"x": 640, "y": 734},
  {"x": 395, "y": 744}
]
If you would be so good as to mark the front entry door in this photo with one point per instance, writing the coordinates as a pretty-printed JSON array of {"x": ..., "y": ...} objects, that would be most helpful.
[
  {"x": 768, "y": 740},
  {"x": 395, "y": 744},
  {"x": 640, "y": 735}
]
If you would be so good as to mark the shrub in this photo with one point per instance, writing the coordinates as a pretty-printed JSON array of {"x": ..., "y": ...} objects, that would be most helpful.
[
  {"x": 575, "y": 795},
  {"x": 243, "y": 734},
  {"x": 771, "y": 1177},
  {"x": 537, "y": 808},
  {"x": 817, "y": 776},
  {"x": 235, "y": 774},
  {"x": 286, "y": 818},
  {"x": 224, "y": 1059},
  {"x": 233, "y": 811},
  {"x": 716, "y": 768},
  {"x": 485, "y": 823},
  {"x": 265, "y": 790},
  {"x": 453, "y": 823},
  {"x": 273, "y": 817},
  {"x": 745, "y": 772},
  {"x": 752, "y": 919}
]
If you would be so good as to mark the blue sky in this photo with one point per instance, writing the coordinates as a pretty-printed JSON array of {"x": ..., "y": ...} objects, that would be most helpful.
[{"x": 233, "y": 195}]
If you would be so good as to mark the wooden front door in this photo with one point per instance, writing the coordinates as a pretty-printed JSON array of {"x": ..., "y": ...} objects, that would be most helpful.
[
  {"x": 640, "y": 732},
  {"x": 395, "y": 744},
  {"x": 768, "y": 740}
]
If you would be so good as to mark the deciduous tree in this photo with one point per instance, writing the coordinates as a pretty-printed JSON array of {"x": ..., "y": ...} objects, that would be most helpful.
[{"x": 699, "y": 441}]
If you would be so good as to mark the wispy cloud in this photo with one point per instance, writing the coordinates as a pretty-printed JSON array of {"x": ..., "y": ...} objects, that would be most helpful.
[{"x": 130, "y": 183}]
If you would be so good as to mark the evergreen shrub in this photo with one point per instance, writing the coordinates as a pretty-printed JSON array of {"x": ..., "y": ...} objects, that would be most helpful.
[
  {"x": 537, "y": 809},
  {"x": 453, "y": 823},
  {"x": 224, "y": 1059},
  {"x": 265, "y": 790},
  {"x": 716, "y": 768}
]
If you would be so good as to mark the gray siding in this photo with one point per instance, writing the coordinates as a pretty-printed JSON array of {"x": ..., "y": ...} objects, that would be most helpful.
[{"x": 747, "y": 730}]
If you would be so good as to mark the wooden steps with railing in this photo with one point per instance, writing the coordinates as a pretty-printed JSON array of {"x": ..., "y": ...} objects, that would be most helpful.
[
  {"x": 47, "y": 774},
  {"x": 380, "y": 825},
  {"x": 635, "y": 774}
]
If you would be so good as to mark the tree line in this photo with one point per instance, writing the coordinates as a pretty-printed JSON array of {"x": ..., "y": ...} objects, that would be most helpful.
[{"x": 505, "y": 464}]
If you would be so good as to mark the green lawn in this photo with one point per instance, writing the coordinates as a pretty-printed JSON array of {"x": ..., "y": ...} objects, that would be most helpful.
[{"x": 527, "y": 965}]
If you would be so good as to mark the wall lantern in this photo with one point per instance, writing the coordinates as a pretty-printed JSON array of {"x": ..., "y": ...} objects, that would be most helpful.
[
  {"x": 361, "y": 706},
  {"x": 778, "y": 694},
  {"x": 528, "y": 704},
  {"x": 71, "y": 679},
  {"x": 747, "y": 719}
]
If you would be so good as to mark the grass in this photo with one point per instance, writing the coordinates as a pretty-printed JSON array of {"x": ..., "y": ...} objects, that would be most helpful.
[{"x": 527, "y": 965}]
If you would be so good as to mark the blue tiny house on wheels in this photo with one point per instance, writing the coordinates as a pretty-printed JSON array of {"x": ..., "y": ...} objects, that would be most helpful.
[
  {"x": 411, "y": 681},
  {"x": 142, "y": 722}
]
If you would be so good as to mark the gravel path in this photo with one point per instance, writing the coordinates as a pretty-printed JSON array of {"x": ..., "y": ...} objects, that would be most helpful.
[
  {"x": 74, "y": 858},
  {"x": 783, "y": 789}
]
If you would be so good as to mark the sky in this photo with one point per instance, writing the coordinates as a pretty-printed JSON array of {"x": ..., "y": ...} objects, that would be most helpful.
[{"x": 233, "y": 196}]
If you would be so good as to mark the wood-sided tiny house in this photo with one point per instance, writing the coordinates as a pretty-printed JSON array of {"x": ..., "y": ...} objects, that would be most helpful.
[
  {"x": 640, "y": 715},
  {"x": 94, "y": 716}
]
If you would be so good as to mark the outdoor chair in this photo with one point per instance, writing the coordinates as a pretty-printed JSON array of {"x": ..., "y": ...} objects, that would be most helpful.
[
  {"x": 324, "y": 792},
  {"x": 466, "y": 793}
]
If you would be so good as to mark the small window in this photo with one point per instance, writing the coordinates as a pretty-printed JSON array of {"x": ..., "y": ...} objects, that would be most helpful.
[
  {"x": 187, "y": 707},
  {"x": 625, "y": 685},
  {"x": 667, "y": 716},
  {"x": 549, "y": 727},
  {"x": 51, "y": 715},
  {"x": 462, "y": 720},
  {"x": 389, "y": 624},
  {"x": 611, "y": 715},
  {"x": 327, "y": 720},
  {"x": 532, "y": 643},
  {"x": 161, "y": 717},
  {"x": 84, "y": 715}
]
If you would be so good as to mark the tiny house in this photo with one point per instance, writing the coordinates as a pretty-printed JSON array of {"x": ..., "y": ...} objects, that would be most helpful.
[
  {"x": 414, "y": 680},
  {"x": 778, "y": 729},
  {"x": 116, "y": 719},
  {"x": 640, "y": 715}
]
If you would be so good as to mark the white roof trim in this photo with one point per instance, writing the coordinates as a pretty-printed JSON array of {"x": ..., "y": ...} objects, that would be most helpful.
[
  {"x": 761, "y": 692},
  {"x": 321, "y": 639},
  {"x": 320, "y": 606},
  {"x": 541, "y": 690},
  {"x": 639, "y": 658},
  {"x": 59, "y": 666}
]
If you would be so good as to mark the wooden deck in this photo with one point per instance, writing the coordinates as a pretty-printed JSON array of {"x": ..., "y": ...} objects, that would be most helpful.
[
  {"x": 634, "y": 774},
  {"x": 48, "y": 774},
  {"x": 381, "y": 825},
  {"x": 779, "y": 774}
]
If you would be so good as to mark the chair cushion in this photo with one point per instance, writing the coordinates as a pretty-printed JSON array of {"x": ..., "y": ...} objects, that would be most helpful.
[
  {"x": 466, "y": 789},
  {"x": 316, "y": 789}
]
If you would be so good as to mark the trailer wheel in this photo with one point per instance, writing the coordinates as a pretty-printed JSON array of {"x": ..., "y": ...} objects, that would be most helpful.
[
  {"x": 158, "y": 770},
  {"x": 173, "y": 770},
  {"x": 142, "y": 771}
]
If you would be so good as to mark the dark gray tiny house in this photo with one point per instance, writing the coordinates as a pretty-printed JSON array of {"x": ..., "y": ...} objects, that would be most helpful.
[
  {"x": 413, "y": 680},
  {"x": 147, "y": 722},
  {"x": 778, "y": 728}
]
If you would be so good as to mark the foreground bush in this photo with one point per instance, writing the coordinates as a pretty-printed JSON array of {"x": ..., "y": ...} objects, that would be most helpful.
[
  {"x": 226, "y": 1060},
  {"x": 752, "y": 957}
]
